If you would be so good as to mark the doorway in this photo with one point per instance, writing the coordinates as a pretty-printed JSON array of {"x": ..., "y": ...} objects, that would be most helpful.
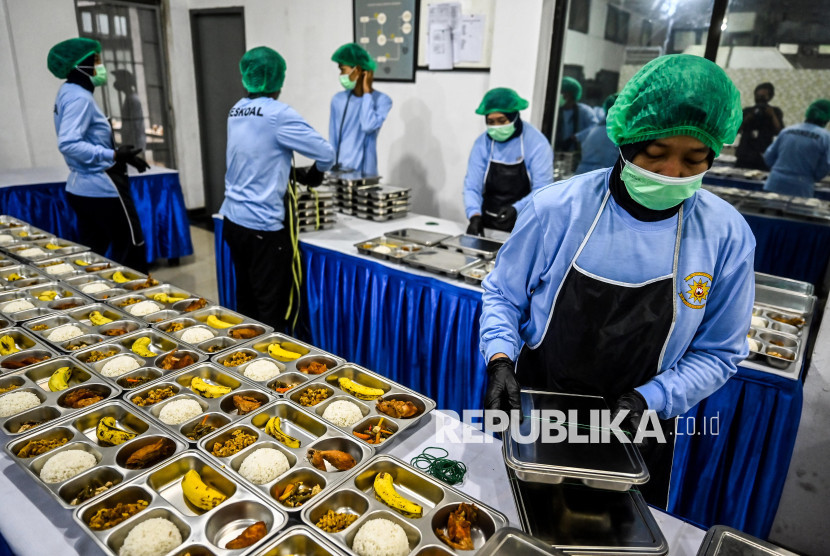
[{"x": 218, "y": 45}]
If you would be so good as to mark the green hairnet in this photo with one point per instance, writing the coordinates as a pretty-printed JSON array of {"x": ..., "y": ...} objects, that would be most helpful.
[
  {"x": 501, "y": 99},
  {"x": 609, "y": 102},
  {"x": 679, "y": 94},
  {"x": 352, "y": 54},
  {"x": 64, "y": 56},
  {"x": 263, "y": 70},
  {"x": 571, "y": 85},
  {"x": 819, "y": 111}
]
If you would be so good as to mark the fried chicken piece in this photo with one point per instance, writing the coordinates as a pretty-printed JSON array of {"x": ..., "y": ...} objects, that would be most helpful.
[
  {"x": 397, "y": 408},
  {"x": 340, "y": 460},
  {"x": 150, "y": 454},
  {"x": 23, "y": 362},
  {"x": 458, "y": 534},
  {"x": 249, "y": 536},
  {"x": 244, "y": 333},
  {"x": 195, "y": 305},
  {"x": 82, "y": 397},
  {"x": 245, "y": 404},
  {"x": 171, "y": 362}
]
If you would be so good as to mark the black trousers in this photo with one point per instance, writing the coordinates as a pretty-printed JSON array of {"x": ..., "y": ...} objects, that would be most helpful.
[
  {"x": 263, "y": 272},
  {"x": 102, "y": 223}
]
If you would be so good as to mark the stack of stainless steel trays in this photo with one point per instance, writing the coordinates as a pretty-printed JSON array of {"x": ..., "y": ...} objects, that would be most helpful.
[
  {"x": 781, "y": 322},
  {"x": 421, "y": 237},
  {"x": 388, "y": 248},
  {"x": 231, "y": 330},
  {"x": 721, "y": 540},
  {"x": 442, "y": 261},
  {"x": 347, "y": 185},
  {"x": 382, "y": 203},
  {"x": 202, "y": 531},
  {"x": 316, "y": 209},
  {"x": 35, "y": 379},
  {"x": 356, "y": 496},
  {"x": 484, "y": 248},
  {"x": 79, "y": 431},
  {"x": 79, "y": 317},
  {"x": 28, "y": 350}
]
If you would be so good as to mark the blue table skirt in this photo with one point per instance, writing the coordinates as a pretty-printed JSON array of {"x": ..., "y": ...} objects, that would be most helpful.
[
  {"x": 423, "y": 332},
  {"x": 158, "y": 200}
]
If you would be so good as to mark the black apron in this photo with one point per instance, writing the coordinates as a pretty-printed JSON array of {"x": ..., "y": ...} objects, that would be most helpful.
[
  {"x": 504, "y": 184},
  {"x": 118, "y": 174},
  {"x": 605, "y": 338}
]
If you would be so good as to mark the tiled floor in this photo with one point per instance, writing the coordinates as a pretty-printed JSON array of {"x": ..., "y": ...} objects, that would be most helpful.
[{"x": 197, "y": 273}]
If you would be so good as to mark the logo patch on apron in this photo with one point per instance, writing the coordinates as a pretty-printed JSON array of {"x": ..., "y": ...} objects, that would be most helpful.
[{"x": 699, "y": 284}]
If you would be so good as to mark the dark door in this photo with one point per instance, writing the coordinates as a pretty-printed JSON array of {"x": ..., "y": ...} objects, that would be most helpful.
[{"x": 218, "y": 44}]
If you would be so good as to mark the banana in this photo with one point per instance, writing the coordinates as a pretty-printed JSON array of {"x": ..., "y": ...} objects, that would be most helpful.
[
  {"x": 23, "y": 234},
  {"x": 7, "y": 345},
  {"x": 80, "y": 262},
  {"x": 216, "y": 322},
  {"x": 48, "y": 295},
  {"x": 198, "y": 493},
  {"x": 358, "y": 390},
  {"x": 60, "y": 379},
  {"x": 110, "y": 435},
  {"x": 13, "y": 277},
  {"x": 272, "y": 427},
  {"x": 52, "y": 246},
  {"x": 96, "y": 318},
  {"x": 208, "y": 390},
  {"x": 275, "y": 350},
  {"x": 119, "y": 277},
  {"x": 165, "y": 298},
  {"x": 140, "y": 347},
  {"x": 386, "y": 493}
]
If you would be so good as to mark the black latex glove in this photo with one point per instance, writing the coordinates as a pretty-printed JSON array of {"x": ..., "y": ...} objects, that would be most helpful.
[
  {"x": 502, "y": 386},
  {"x": 310, "y": 176},
  {"x": 476, "y": 226},
  {"x": 636, "y": 405},
  {"x": 299, "y": 174},
  {"x": 507, "y": 214},
  {"x": 139, "y": 164},
  {"x": 125, "y": 153}
]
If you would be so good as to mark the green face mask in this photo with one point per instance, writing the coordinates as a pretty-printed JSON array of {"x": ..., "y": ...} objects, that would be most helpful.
[
  {"x": 501, "y": 132},
  {"x": 655, "y": 191},
  {"x": 100, "y": 76},
  {"x": 561, "y": 100},
  {"x": 347, "y": 83}
]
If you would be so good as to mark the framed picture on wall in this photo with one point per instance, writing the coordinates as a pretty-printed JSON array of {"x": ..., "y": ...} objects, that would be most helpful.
[{"x": 388, "y": 30}]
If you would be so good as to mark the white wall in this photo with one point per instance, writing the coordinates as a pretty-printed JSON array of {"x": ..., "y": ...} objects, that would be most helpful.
[{"x": 591, "y": 50}]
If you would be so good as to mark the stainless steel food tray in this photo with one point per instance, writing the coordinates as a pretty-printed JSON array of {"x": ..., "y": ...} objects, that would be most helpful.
[
  {"x": 788, "y": 301},
  {"x": 791, "y": 340},
  {"x": 441, "y": 261},
  {"x": 11, "y": 222},
  {"x": 476, "y": 246},
  {"x": 79, "y": 430},
  {"x": 371, "y": 416},
  {"x": 106, "y": 277},
  {"x": 721, "y": 540},
  {"x": 584, "y": 521},
  {"x": 93, "y": 262},
  {"x": 223, "y": 339},
  {"x": 29, "y": 346},
  {"x": 516, "y": 542},
  {"x": 28, "y": 277},
  {"x": 35, "y": 379},
  {"x": 203, "y": 532},
  {"x": 356, "y": 496},
  {"x": 289, "y": 369},
  {"x": 355, "y": 179},
  {"x": 398, "y": 248},
  {"x": 7, "y": 261},
  {"x": 382, "y": 211},
  {"x": 385, "y": 192},
  {"x": 611, "y": 465},
  {"x": 476, "y": 274},
  {"x": 378, "y": 217},
  {"x": 782, "y": 283},
  {"x": 309, "y": 429},
  {"x": 422, "y": 237},
  {"x": 217, "y": 412},
  {"x": 23, "y": 232},
  {"x": 149, "y": 366},
  {"x": 299, "y": 539},
  {"x": 166, "y": 310},
  {"x": 79, "y": 316},
  {"x": 66, "y": 299},
  {"x": 64, "y": 247}
]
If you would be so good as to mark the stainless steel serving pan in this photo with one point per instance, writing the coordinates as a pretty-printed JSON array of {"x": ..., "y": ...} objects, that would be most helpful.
[
  {"x": 35, "y": 379},
  {"x": 721, "y": 540},
  {"x": 785, "y": 300},
  {"x": 612, "y": 465},
  {"x": 356, "y": 496},
  {"x": 476, "y": 246},
  {"x": 299, "y": 539},
  {"x": 371, "y": 415},
  {"x": 224, "y": 339},
  {"x": 309, "y": 429},
  {"x": 80, "y": 432},
  {"x": 217, "y": 412},
  {"x": 781, "y": 283},
  {"x": 422, "y": 237},
  {"x": 27, "y": 345},
  {"x": 203, "y": 532},
  {"x": 441, "y": 261}
]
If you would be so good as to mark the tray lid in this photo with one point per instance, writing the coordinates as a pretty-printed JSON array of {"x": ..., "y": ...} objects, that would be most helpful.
[
  {"x": 442, "y": 260},
  {"x": 726, "y": 541},
  {"x": 414, "y": 235},
  {"x": 474, "y": 243},
  {"x": 516, "y": 543}
]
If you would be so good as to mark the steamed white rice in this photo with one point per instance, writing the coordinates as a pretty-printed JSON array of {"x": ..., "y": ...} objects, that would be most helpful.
[
  {"x": 17, "y": 306},
  {"x": 380, "y": 537},
  {"x": 62, "y": 268},
  {"x": 196, "y": 334},
  {"x": 65, "y": 465},
  {"x": 179, "y": 411},
  {"x": 15, "y": 402},
  {"x": 63, "y": 333},
  {"x": 5, "y": 239},
  {"x": 264, "y": 465},
  {"x": 261, "y": 369},
  {"x": 342, "y": 413},
  {"x": 153, "y": 537},
  {"x": 119, "y": 365},
  {"x": 95, "y": 287},
  {"x": 143, "y": 308},
  {"x": 31, "y": 252}
]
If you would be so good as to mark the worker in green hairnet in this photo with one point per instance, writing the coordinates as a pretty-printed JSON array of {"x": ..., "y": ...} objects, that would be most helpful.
[
  {"x": 574, "y": 116},
  {"x": 631, "y": 282},
  {"x": 357, "y": 112},
  {"x": 508, "y": 162},
  {"x": 263, "y": 134},
  {"x": 800, "y": 155},
  {"x": 97, "y": 189}
]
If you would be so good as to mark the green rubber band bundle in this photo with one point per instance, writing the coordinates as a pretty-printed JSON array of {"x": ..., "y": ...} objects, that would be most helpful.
[{"x": 441, "y": 467}]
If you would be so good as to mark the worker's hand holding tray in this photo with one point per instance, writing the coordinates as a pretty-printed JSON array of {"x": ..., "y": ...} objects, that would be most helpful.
[{"x": 581, "y": 451}]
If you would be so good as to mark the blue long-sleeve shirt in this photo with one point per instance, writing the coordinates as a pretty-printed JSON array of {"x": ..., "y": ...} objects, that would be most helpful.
[
  {"x": 798, "y": 158},
  {"x": 717, "y": 249},
  {"x": 85, "y": 141},
  {"x": 598, "y": 151},
  {"x": 587, "y": 118},
  {"x": 358, "y": 140},
  {"x": 538, "y": 160},
  {"x": 263, "y": 133}
]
